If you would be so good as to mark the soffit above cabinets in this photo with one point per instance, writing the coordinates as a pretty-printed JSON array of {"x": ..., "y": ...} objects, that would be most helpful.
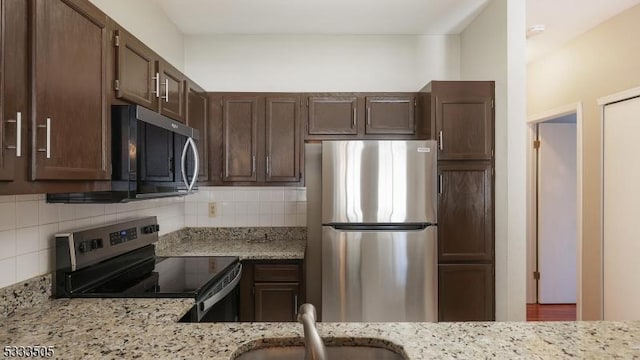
[{"x": 379, "y": 17}]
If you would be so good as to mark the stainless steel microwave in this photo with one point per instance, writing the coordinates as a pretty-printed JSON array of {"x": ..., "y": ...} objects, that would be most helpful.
[{"x": 152, "y": 156}]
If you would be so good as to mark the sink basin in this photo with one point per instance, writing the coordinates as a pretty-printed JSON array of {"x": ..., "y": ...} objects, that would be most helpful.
[{"x": 333, "y": 353}]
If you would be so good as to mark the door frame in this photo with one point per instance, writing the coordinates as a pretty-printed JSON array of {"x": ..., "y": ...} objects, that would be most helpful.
[
  {"x": 532, "y": 122},
  {"x": 602, "y": 102}
]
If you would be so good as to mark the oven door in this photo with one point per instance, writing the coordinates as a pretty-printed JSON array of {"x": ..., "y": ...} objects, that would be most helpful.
[{"x": 221, "y": 301}]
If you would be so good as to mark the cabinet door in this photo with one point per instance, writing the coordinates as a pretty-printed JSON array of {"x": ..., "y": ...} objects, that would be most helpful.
[
  {"x": 464, "y": 119},
  {"x": 197, "y": 104},
  {"x": 465, "y": 292},
  {"x": 282, "y": 139},
  {"x": 335, "y": 115},
  {"x": 465, "y": 211},
  {"x": 14, "y": 85},
  {"x": 137, "y": 79},
  {"x": 172, "y": 93},
  {"x": 70, "y": 122},
  {"x": 276, "y": 301},
  {"x": 239, "y": 138},
  {"x": 390, "y": 115}
]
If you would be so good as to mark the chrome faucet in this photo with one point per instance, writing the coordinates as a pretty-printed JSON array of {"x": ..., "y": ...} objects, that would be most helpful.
[{"x": 314, "y": 347}]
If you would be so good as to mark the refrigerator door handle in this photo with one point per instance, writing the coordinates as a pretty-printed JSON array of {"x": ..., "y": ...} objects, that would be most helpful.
[{"x": 381, "y": 227}]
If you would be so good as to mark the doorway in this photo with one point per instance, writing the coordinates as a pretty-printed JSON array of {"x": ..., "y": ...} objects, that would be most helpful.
[{"x": 554, "y": 221}]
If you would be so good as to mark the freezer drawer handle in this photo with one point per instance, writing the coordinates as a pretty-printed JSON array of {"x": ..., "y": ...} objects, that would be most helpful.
[{"x": 382, "y": 227}]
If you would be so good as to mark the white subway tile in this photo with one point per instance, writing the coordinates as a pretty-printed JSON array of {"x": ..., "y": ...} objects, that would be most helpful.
[
  {"x": 7, "y": 216},
  {"x": 301, "y": 195},
  {"x": 110, "y": 209},
  {"x": 242, "y": 220},
  {"x": 277, "y": 220},
  {"x": 110, "y": 219},
  {"x": 48, "y": 213},
  {"x": 202, "y": 208},
  {"x": 228, "y": 208},
  {"x": 89, "y": 210},
  {"x": 46, "y": 234},
  {"x": 264, "y": 195},
  {"x": 290, "y": 194},
  {"x": 301, "y": 220},
  {"x": 228, "y": 220},
  {"x": 7, "y": 199},
  {"x": 190, "y": 220},
  {"x": 290, "y": 207},
  {"x": 7, "y": 244},
  {"x": 204, "y": 221},
  {"x": 27, "y": 240},
  {"x": 67, "y": 212},
  {"x": 190, "y": 208},
  {"x": 301, "y": 208},
  {"x": 277, "y": 194},
  {"x": 27, "y": 266},
  {"x": 277, "y": 207},
  {"x": 28, "y": 197},
  {"x": 47, "y": 260},
  {"x": 7, "y": 272},
  {"x": 265, "y": 220},
  {"x": 242, "y": 208},
  {"x": 290, "y": 220},
  {"x": 253, "y": 208},
  {"x": 223, "y": 195},
  {"x": 253, "y": 220},
  {"x": 264, "y": 208},
  {"x": 66, "y": 226},
  {"x": 26, "y": 213},
  {"x": 241, "y": 195}
]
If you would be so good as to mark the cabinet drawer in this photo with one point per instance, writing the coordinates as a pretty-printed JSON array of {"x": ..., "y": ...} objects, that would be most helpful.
[{"x": 276, "y": 272}]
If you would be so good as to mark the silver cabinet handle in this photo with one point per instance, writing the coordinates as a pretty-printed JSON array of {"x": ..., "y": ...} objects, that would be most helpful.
[
  {"x": 183, "y": 164},
  {"x": 369, "y": 116},
  {"x": 295, "y": 304},
  {"x": 47, "y": 148},
  {"x": 166, "y": 90},
  {"x": 253, "y": 166},
  {"x": 440, "y": 184},
  {"x": 157, "y": 88},
  {"x": 353, "y": 122},
  {"x": 440, "y": 140},
  {"x": 18, "y": 122},
  {"x": 268, "y": 169}
]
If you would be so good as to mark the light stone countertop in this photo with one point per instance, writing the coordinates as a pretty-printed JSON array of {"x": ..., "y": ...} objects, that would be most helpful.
[
  {"x": 246, "y": 243},
  {"x": 148, "y": 328}
]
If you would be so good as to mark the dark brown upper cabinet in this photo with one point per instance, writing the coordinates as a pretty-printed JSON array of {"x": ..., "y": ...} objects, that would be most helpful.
[
  {"x": 197, "y": 118},
  {"x": 137, "y": 80},
  {"x": 465, "y": 211},
  {"x": 463, "y": 119},
  {"x": 14, "y": 89},
  {"x": 333, "y": 115},
  {"x": 466, "y": 292},
  {"x": 255, "y": 139},
  {"x": 282, "y": 139},
  {"x": 239, "y": 138},
  {"x": 390, "y": 115},
  {"x": 70, "y": 123},
  {"x": 142, "y": 77},
  {"x": 172, "y": 91}
]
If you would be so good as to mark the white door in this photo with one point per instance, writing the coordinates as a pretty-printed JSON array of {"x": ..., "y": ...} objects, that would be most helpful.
[
  {"x": 557, "y": 213},
  {"x": 621, "y": 211}
]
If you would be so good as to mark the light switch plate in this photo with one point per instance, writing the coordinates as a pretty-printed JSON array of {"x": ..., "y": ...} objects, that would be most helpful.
[{"x": 213, "y": 209}]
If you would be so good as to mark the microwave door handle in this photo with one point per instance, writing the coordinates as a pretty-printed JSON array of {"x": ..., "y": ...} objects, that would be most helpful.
[
  {"x": 183, "y": 164},
  {"x": 196, "y": 163}
]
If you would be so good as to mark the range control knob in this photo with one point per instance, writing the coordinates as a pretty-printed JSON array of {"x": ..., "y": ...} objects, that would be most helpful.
[{"x": 150, "y": 229}]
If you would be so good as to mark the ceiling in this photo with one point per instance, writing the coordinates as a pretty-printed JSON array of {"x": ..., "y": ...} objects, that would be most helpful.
[
  {"x": 429, "y": 17},
  {"x": 564, "y": 19}
]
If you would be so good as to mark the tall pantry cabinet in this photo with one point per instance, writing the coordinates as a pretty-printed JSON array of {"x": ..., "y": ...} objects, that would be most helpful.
[{"x": 462, "y": 120}]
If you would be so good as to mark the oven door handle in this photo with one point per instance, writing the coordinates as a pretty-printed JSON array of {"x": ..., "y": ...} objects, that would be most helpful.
[{"x": 213, "y": 299}]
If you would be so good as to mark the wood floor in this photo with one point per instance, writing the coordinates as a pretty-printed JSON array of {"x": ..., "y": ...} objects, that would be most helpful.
[{"x": 561, "y": 312}]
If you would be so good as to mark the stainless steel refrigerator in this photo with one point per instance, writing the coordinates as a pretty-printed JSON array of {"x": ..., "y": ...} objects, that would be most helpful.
[{"x": 379, "y": 239}]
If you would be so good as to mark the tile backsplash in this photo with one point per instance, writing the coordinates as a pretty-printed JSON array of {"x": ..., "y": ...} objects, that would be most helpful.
[
  {"x": 28, "y": 225},
  {"x": 247, "y": 206}
]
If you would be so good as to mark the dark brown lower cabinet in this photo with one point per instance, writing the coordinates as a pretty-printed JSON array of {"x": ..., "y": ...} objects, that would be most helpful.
[
  {"x": 271, "y": 290},
  {"x": 466, "y": 292}
]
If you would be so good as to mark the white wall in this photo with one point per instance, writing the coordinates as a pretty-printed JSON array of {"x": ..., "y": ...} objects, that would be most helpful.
[
  {"x": 28, "y": 225},
  {"x": 247, "y": 206},
  {"x": 300, "y": 63},
  {"x": 493, "y": 47},
  {"x": 148, "y": 22}
]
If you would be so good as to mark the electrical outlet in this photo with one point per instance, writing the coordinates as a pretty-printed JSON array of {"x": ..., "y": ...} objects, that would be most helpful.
[{"x": 213, "y": 209}]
